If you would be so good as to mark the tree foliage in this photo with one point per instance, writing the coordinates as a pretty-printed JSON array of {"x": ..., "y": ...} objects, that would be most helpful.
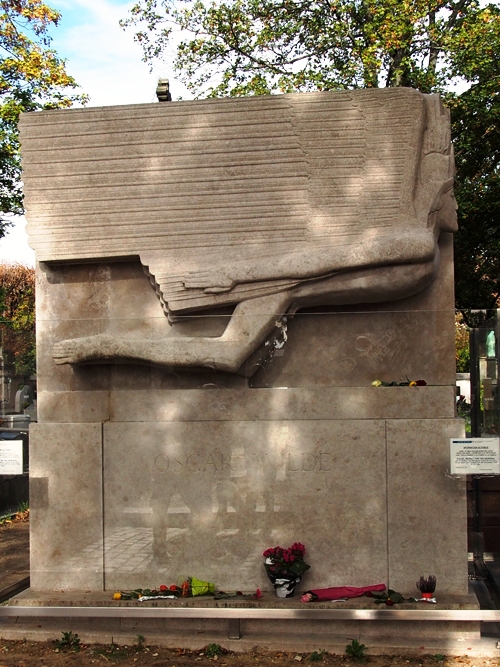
[
  {"x": 253, "y": 47},
  {"x": 476, "y": 130},
  {"x": 17, "y": 324},
  {"x": 242, "y": 47},
  {"x": 462, "y": 351},
  {"x": 32, "y": 77}
]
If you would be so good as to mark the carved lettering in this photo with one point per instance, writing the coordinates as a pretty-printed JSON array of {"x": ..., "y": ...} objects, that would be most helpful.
[
  {"x": 162, "y": 463},
  {"x": 216, "y": 462},
  {"x": 210, "y": 462},
  {"x": 324, "y": 461},
  {"x": 266, "y": 460},
  {"x": 192, "y": 463},
  {"x": 226, "y": 461},
  {"x": 308, "y": 462}
]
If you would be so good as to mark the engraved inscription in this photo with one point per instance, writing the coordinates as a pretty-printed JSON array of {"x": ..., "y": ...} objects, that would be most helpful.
[
  {"x": 218, "y": 462},
  {"x": 212, "y": 462}
]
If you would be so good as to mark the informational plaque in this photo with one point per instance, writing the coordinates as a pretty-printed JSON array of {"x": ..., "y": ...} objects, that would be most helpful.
[
  {"x": 11, "y": 457},
  {"x": 475, "y": 456}
]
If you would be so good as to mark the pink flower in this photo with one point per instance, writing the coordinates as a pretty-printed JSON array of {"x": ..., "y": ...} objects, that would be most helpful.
[{"x": 279, "y": 555}]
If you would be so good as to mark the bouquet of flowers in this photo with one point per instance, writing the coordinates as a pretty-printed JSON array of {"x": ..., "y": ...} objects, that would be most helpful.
[
  {"x": 285, "y": 567},
  {"x": 427, "y": 586},
  {"x": 286, "y": 561},
  {"x": 405, "y": 383}
]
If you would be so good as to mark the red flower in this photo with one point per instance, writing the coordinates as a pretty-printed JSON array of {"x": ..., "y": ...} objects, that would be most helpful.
[{"x": 278, "y": 555}]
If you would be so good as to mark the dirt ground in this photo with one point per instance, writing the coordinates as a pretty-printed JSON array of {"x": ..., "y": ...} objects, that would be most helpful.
[
  {"x": 52, "y": 654},
  {"x": 14, "y": 550},
  {"x": 68, "y": 650}
]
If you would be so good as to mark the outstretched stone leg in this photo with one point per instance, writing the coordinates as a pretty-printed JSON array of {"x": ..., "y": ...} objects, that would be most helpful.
[
  {"x": 377, "y": 249},
  {"x": 249, "y": 325}
]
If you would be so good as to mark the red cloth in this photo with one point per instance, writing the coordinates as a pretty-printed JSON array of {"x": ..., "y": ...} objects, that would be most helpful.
[{"x": 340, "y": 592}]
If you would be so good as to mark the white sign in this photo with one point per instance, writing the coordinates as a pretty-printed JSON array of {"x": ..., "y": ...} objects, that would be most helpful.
[
  {"x": 11, "y": 457},
  {"x": 475, "y": 456}
]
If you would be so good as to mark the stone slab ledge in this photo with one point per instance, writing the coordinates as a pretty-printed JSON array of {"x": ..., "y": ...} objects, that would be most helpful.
[
  {"x": 269, "y": 601},
  {"x": 219, "y": 404}
]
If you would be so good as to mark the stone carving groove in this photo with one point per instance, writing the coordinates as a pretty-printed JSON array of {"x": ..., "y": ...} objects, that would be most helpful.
[{"x": 267, "y": 203}]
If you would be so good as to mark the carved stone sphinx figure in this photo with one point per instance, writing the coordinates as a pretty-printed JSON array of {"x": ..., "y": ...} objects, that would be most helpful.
[{"x": 269, "y": 204}]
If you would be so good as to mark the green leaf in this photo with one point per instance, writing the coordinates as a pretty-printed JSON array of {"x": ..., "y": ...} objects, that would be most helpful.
[{"x": 32, "y": 77}]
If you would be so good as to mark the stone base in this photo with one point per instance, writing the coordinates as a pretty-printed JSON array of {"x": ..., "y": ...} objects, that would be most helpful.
[
  {"x": 380, "y": 636},
  {"x": 204, "y": 498},
  {"x": 142, "y": 475}
]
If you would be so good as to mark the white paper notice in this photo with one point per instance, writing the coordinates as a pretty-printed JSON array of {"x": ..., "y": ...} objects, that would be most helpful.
[
  {"x": 11, "y": 457},
  {"x": 475, "y": 456}
]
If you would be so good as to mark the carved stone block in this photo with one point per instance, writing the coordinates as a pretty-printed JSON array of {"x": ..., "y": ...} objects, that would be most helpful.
[{"x": 302, "y": 241}]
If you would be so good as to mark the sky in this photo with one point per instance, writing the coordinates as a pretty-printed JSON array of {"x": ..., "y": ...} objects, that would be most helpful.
[{"x": 106, "y": 63}]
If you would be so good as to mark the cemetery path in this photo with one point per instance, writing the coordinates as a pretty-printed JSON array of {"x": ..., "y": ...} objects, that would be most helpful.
[
  {"x": 14, "y": 550},
  {"x": 24, "y": 653}
]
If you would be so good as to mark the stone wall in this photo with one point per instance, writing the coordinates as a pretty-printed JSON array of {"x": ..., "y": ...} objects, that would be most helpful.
[{"x": 142, "y": 475}]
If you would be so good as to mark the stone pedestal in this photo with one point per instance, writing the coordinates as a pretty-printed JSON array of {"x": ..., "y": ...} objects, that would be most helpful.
[{"x": 143, "y": 475}]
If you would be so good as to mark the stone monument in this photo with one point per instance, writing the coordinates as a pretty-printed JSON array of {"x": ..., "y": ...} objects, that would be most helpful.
[{"x": 219, "y": 282}]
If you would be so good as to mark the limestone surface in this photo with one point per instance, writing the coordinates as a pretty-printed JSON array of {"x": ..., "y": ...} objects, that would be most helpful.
[
  {"x": 268, "y": 204},
  {"x": 300, "y": 241}
]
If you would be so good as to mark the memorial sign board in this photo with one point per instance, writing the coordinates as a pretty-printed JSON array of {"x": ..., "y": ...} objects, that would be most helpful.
[
  {"x": 475, "y": 456},
  {"x": 11, "y": 457}
]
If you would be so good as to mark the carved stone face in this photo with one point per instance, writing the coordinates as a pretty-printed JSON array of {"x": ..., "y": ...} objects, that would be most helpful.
[{"x": 446, "y": 213}]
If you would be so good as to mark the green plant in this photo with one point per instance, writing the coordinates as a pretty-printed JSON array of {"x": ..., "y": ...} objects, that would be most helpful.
[
  {"x": 317, "y": 656},
  {"x": 463, "y": 411},
  {"x": 23, "y": 507},
  {"x": 69, "y": 640},
  {"x": 112, "y": 651},
  {"x": 462, "y": 351},
  {"x": 463, "y": 361},
  {"x": 212, "y": 650},
  {"x": 389, "y": 597},
  {"x": 439, "y": 657},
  {"x": 139, "y": 642},
  {"x": 355, "y": 650}
]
